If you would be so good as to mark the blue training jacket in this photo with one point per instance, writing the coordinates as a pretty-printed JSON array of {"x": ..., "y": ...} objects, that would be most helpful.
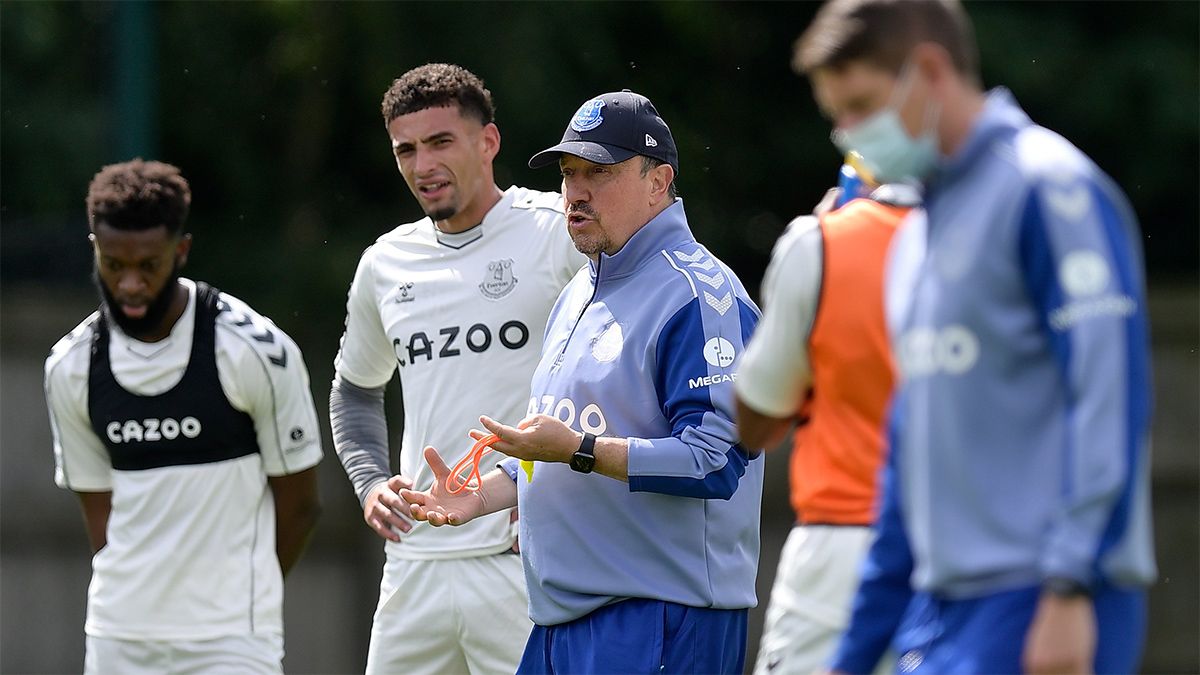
[
  {"x": 644, "y": 345},
  {"x": 1021, "y": 423}
]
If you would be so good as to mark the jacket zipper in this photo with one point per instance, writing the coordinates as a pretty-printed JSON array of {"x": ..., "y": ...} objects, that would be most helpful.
[{"x": 595, "y": 287}]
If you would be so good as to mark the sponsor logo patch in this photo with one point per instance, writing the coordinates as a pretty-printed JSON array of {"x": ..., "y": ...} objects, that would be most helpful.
[
  {"x": 1106, "y": 305},
  {"x": 1085, "y": 277},
  {"x": 152, "y": 429},
  {"x": 1083, "y": 273},
  {"x": 450, "y": 340},
  {"x": 719, "y": 352},
  {"x": 709, "y": 380},
  {"x": 590, "y": 418},
  {"x": 952, "y": 350}
]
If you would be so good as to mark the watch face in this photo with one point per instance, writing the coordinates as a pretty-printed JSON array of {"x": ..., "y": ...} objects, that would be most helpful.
[{"x": 583, "y": 463}]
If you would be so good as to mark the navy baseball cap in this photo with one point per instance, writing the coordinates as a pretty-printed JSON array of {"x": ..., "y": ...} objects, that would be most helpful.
[{"x": 611, "y": 128}]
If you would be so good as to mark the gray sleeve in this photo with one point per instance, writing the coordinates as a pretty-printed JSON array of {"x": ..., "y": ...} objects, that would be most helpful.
[{"x": 360, "y": 434}]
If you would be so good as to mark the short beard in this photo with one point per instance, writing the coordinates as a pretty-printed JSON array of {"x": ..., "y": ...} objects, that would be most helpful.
[
  {"x": 591, "y": 245},
  {"x": 156, "y": 311},
  {"x": 444, "y": 213}
]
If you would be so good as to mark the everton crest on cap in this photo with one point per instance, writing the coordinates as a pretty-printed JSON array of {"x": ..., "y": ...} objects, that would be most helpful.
[
  {"x": 611, "y": 128},
  {"x": 588, "y": 116}
]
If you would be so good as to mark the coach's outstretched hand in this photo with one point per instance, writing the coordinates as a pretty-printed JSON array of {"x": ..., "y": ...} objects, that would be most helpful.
[
  {"x": 437, "y": 505},
  {"x": 540, "y": 438}
]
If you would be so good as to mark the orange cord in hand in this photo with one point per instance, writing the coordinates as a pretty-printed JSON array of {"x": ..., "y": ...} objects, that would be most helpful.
[{"x": 472, "y": 481}]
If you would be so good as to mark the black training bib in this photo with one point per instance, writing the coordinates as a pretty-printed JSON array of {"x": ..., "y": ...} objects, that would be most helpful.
[{"x": 190, "y": 423}]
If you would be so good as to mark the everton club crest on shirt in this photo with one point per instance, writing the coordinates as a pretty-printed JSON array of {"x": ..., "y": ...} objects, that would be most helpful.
[{"x": 499, "y": 280}]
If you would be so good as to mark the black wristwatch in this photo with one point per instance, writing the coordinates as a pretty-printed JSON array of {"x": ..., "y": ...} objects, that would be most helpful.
[
  {"x": 1065, "y": 588},
  {"x": 584, "y": 459}
]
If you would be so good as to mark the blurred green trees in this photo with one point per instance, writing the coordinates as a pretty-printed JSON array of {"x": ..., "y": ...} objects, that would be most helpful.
[{"x": 272, "y": 110}]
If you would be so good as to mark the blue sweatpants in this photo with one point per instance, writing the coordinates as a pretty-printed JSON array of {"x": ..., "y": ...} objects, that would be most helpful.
[
  {"x": 641, "y": 636},
  {"x": 987, "y": 634}
]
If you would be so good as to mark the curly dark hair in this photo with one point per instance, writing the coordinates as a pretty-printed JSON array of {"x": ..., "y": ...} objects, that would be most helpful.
[
  {"x": 435, "y": 85},
  {"x": 139, "y": 195}
]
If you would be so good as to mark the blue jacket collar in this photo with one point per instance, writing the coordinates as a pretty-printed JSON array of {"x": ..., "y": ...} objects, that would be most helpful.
[
  {"x": 668, "y": 229},
  {"x": 1000, "y": 115}
]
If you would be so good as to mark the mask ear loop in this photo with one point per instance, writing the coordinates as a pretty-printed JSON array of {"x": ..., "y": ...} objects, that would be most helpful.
[
  {"x": 933, "y": 113},
  {"x": 933, "y": 110},
  {"x": 904, "y": 84},
  {"x": 455, "y": 484}
]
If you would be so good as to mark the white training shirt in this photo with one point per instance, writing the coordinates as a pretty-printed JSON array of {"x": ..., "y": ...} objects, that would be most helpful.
[
  {"x": 461, "y": 317},
  {"x": 774, "y": 373},
  {"x": 184, "y": 559}
]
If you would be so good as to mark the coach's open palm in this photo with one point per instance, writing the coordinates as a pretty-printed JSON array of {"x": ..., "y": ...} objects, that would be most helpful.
[{"x": 437, "y": 505}]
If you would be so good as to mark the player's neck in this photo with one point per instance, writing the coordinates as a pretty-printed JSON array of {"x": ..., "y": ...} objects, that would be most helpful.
[
  {"x": 959, "y": 118},
  {"x": 473, "y": 214}
]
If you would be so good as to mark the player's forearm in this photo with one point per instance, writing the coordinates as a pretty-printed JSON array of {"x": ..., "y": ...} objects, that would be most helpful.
[
  {"x": 356, "y": 416},
  {"x": 1062, "y": 637},
  {"x": 297, "y": 508},
  {"x": 292, "y": 532},
  {"x": 759, "y": 431},
  {"x": 97, "y": 506}
]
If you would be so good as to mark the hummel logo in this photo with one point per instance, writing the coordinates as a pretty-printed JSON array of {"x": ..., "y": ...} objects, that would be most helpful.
[
  {"x": 650, "y": 142},
  {"x": 269, "y": 338},
  {"x": 722, "y": 305},
  {"x": 1068, "y": 201},
  {"x": 689, "y": 258},
  {"x": 716, "y": 281},
  {"x": 405, "y": 293}
]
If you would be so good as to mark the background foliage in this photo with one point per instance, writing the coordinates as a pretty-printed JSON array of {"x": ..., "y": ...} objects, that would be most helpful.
[{"x": 272, "y": 110}]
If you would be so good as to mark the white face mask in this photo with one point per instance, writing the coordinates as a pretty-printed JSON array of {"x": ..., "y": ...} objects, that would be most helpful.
[{"x": 889, "y": 152}]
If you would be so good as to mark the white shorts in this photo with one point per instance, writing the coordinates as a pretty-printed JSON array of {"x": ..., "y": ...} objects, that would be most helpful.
[
  {"x": 811, "y": 598},
  {"x": 250, "y": 654},
  {"x": 449, "y": 617}
]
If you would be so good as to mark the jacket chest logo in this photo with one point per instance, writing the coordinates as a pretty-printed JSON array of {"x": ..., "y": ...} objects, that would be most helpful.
[
  {"x": 498, "y": 281},
  {"x": 607, "y": 346}
]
